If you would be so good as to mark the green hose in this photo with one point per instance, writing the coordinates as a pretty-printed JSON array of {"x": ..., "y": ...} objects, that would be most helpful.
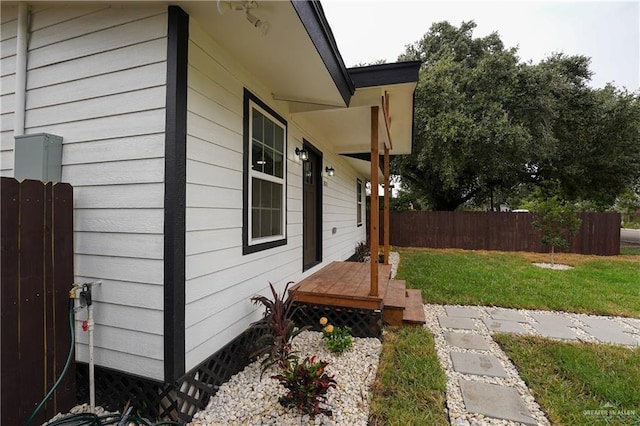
[
  {"x": 87, "y": 419},
  {"x": 64, "y": 370}
]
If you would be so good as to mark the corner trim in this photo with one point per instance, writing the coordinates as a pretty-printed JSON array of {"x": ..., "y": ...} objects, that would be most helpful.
[{"x": 175, "y": 182}]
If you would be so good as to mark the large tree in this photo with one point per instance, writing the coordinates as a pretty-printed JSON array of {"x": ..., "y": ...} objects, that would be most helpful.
[{"x": 486, "y": 124}]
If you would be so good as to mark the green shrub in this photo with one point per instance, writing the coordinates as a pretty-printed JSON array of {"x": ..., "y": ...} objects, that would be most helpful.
[
  {"x": 337, "y": 339},
  {"x": 307, "y": 384},
  {"x": 277, "y": 327}
]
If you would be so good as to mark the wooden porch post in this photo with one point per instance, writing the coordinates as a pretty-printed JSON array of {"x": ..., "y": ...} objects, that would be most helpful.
[
  {"x": 387, "y": 194},
  {"x": 374, "y": 235}
]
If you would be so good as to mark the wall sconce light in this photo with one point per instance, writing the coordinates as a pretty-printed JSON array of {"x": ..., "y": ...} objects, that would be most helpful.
[
  {"x": 302, "y": 154},
  {"x": 330, "y": 171}
]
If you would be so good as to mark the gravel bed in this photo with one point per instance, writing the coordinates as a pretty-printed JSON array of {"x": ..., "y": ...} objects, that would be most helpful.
[
  {"x": 556, "y": 266},
  {"x": 247, "y": 399}
]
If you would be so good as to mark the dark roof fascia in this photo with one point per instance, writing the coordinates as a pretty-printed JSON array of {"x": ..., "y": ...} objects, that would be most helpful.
[
  {"x": 385, "y": 74},
  {"x": 315, "y": 22}
]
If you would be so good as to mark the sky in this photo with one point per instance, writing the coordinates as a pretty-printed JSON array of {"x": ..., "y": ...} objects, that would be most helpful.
[{"x": 606, "y": 31}]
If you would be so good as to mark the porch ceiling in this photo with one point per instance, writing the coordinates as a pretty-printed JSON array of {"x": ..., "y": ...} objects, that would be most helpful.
[
  {"x": 297, "y": 59},
  {"x": 349, "y": 129}
]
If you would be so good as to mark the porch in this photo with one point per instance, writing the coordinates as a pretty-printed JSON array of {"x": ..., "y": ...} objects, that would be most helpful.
[{"x": 348, "y": 285}]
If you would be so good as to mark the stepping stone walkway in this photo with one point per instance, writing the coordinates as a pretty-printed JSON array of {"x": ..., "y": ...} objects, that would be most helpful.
[{"x": 484, "y": 387}]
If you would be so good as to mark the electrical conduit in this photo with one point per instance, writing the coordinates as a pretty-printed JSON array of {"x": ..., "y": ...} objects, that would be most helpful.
[{"x": 21, "y": 69}]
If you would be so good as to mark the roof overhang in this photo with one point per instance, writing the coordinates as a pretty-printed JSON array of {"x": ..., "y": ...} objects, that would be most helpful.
[
  {"x": 297, "y": 60},
  {"x": 349, "y": 129}
]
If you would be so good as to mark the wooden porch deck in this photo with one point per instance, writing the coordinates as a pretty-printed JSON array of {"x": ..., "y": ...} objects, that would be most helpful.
[{"x": 347, "y": 284}]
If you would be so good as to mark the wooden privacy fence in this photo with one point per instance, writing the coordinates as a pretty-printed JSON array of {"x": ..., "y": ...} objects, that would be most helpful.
[
  {"x": 599, "y": 233},
  {"x": 36, "y": 257}
]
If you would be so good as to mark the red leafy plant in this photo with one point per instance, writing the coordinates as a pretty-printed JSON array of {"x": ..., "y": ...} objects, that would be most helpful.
[
  {"x": 277, "y": 326},
  {"x": 307, "y": 384}
]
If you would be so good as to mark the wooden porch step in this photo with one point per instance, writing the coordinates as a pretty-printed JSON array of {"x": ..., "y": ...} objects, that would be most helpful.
[
  {"x": 413, "y": 313},
  {"x": 396, "y": 294},
  {"x": 394, "y": 302}
]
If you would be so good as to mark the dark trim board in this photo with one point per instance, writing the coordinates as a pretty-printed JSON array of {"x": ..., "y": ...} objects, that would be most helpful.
[{"x": 175, "y": 185}]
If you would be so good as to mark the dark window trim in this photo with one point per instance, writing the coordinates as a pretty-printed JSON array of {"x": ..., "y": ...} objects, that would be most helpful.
[
  {"x": 359, "y": 202},
  {"x": 175, "y": 194},
  {"x": 310, "y": 148},
  {"x": 246, "y": 210}
]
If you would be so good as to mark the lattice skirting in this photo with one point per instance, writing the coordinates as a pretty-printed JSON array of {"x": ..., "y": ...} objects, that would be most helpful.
[
  {"x": 363, "y": 322},
  {"x": 162, "y": 401}
]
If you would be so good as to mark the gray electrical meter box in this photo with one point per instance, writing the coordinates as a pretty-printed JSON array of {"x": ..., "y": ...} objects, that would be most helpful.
[{"x": 39, "y": 157}]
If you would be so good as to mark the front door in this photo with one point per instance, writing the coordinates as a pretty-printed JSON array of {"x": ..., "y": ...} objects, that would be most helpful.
[{"x": 312, "y": 207}]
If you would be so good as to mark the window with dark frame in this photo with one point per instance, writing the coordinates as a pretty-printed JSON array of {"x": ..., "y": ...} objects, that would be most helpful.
[
  {"x": 265, "y": 147},
  {"x": 359, "y": 202}
]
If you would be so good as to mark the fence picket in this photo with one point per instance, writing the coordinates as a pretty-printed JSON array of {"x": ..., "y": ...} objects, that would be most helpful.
[{"x": 10, "y": 199}]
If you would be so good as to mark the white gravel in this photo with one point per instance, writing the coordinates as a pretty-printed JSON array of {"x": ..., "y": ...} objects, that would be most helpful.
[
  {"x": 556, "y": 266},
  {"x": 248, "y": 400}
]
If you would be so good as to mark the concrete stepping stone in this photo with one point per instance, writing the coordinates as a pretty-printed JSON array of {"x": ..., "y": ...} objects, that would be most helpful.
[
  {"x": 483, "y": 365},
  {"x": 607, "y": 331},
  {"x": 556, "y": 331},
  {"x": 633, "y": 322},
  {"x": 552, "y": 319},
  {"x": 498, "y": 326},
  {"x": 501, "y": 402},
  {"x": 506, "y": 315},
  {"x": 459, "y": 311},
  {"x": 457, "y": 322},
  {"x": 466, "y": 340}
]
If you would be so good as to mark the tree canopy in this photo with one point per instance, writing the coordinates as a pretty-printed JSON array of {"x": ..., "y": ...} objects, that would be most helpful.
[{"x": 486, "y": 123}]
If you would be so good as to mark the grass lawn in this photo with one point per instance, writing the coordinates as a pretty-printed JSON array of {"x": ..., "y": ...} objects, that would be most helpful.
[
  {"x": 410, "y": 385},
  {"x": 630, "y": 251},
  {"x": 578, "y": 383},
  {"x": 596, "y": 285}
]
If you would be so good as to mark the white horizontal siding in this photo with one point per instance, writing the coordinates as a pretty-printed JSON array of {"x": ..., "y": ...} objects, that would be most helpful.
[
  {"x": 129, "y": 34},
  {"x": 116, "y": 149},
  {"x": 8, "y": 40},
  {"x": 220, "y": 280},
  {"x": 123, "y": 292},
  {"x": 147, "y": 246},
  {"x": 132, "y": 196},
  {"x": 102, "y": 63},
  {"x": 97, "y": 77}
]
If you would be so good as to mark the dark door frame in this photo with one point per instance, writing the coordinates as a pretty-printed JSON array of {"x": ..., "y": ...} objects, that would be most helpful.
[{"x": 318, "y": 184}]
